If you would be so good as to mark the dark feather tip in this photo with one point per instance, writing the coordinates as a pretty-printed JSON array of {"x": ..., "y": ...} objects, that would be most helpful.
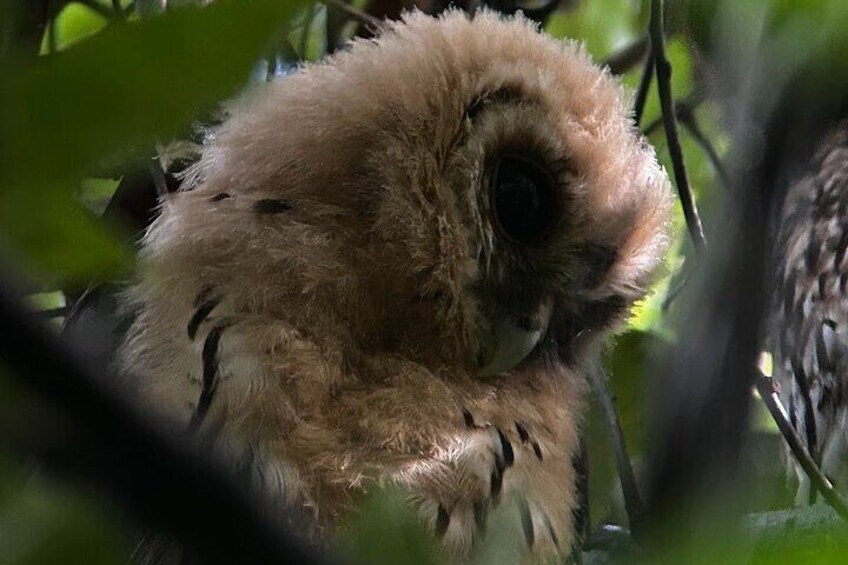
[
  {"x": 506, "y": 446},
  {"x": 271, "y": 206}
]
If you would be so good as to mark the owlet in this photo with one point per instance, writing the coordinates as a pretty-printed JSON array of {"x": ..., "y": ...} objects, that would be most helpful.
[
  {"x": 809, "y": 310},
  {"x": 394, "y": 267}
]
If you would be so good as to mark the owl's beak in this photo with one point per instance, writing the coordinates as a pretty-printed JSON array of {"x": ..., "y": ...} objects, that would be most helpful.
[{"x": 514, "y": 337}]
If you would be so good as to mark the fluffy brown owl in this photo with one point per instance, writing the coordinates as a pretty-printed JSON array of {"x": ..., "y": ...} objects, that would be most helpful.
[
  {"x": 810, "y": 330},
  {"x": 393, "y": 268}
]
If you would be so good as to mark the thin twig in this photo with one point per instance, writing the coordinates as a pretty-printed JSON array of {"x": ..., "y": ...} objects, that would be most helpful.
[
  {"x": 674, "y": 292},
  {"x": 632, "y": 500},
  {"x": 682, "y": 108},
  {"x": 369, "y": 21},
  {"x": 663, "y": 68},
  {"x": 644, "y": 87},
  {"x": 802, "y": 455},
  {"x": 685, "y": 111},
  {"x": 691, "y": 123},
  {"x": 628, "y": 57}
]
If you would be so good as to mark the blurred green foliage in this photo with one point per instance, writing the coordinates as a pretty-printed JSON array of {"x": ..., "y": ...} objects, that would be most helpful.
[
  {"x": 117, "y": 92},
  {"x": 106, "y": 90}
]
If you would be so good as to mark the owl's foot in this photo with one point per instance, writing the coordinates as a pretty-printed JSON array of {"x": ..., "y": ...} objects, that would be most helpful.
[{"x": 458, "y": 490}]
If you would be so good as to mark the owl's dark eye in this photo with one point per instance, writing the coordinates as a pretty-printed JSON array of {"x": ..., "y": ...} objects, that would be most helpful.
[{"x": 523, "y": 198}]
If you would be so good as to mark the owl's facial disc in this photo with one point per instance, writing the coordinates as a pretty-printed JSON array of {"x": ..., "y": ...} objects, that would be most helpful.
[{"x": 514, "y": 337}]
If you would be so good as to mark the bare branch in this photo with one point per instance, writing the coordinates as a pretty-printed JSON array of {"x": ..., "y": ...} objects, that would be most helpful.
[
  {"x": 682, "y": 108},
  {"x": 775, "y": 407},
  {"x": 691, "y": 123},
  {"x": 628, "y": 57},
  {"x": 367, "y": 20},
  {"x": 644, "y": 87},
  {"x": 674, "y": 292},
  {"x": 632, "y": 500},
  {"x": 663, "y": 68}
]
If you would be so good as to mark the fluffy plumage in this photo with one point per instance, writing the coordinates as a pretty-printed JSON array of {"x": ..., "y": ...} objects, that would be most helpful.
[
  {"x": 340, "y": 286},
  {"x": 810, "y": 326}
]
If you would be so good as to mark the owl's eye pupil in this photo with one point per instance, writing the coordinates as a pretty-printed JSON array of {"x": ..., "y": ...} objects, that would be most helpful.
[{"x": 524, "y": 199}]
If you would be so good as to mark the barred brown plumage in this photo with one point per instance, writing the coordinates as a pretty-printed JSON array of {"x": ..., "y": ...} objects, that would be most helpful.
[
  {"x": 394, "y": 267},
  {"x": 810, "y": 307}
]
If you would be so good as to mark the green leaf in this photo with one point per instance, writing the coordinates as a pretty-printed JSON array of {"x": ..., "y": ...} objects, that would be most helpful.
[
  {"x": 127, "y": 86},
  {"x": 75, "y": 23},
  {"x": 106, "y": 96},
  {"x": 55, "y": 235}
]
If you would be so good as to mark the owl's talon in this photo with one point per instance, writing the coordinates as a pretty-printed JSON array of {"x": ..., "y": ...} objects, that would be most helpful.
[
  {"x": 506, "y": 447},
  {"x": 204, "y": 309},
  {"x": 551, "y": 530},
  {"x": 526, "y": 522},
  {"x": 523, "y": 434},
  {"x": 496, "y": 482},
  {"x": 525, "y": 437},
  {"x": 468, "y": 418},
  {"x": 537, "y": 449}
]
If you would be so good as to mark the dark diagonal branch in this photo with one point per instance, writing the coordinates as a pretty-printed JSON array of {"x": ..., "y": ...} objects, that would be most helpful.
[
  {"x": 171, "y": 485},
  {"x": 644, "y": 88},
  {"x": 632, "y": 500},
  {"x": 628, "y": 57},
  {"x": 682, "y": 108},
  {"x": 691, "y": 123},
  {"x": 817, "y": 478},
  {"x": 685, "y": 112},
  {"x": 675, "y": 290},
  {"x": 663, "y": 69},
  {"x": 355, "y": 15}
]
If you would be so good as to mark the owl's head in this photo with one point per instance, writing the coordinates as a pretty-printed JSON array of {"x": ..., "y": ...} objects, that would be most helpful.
[{"x": 463, "y": 192}]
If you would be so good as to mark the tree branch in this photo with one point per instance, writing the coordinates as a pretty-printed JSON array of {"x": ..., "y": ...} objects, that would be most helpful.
[
  {"x": 644, "y": 88},
  {"x": 373, "y": 24},
  {"x": 632, "y": 500},
  {"x": 775, "y": 407},
  {"x": 663, "y": 68},
  {"x": 628, "y": 57},
  {"x": 162, "y": 478},
  {"x": 691, "y": 124}
]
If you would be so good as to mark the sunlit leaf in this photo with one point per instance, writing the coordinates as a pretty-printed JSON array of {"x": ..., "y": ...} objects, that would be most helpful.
[{"x": 74, "y": 23}]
